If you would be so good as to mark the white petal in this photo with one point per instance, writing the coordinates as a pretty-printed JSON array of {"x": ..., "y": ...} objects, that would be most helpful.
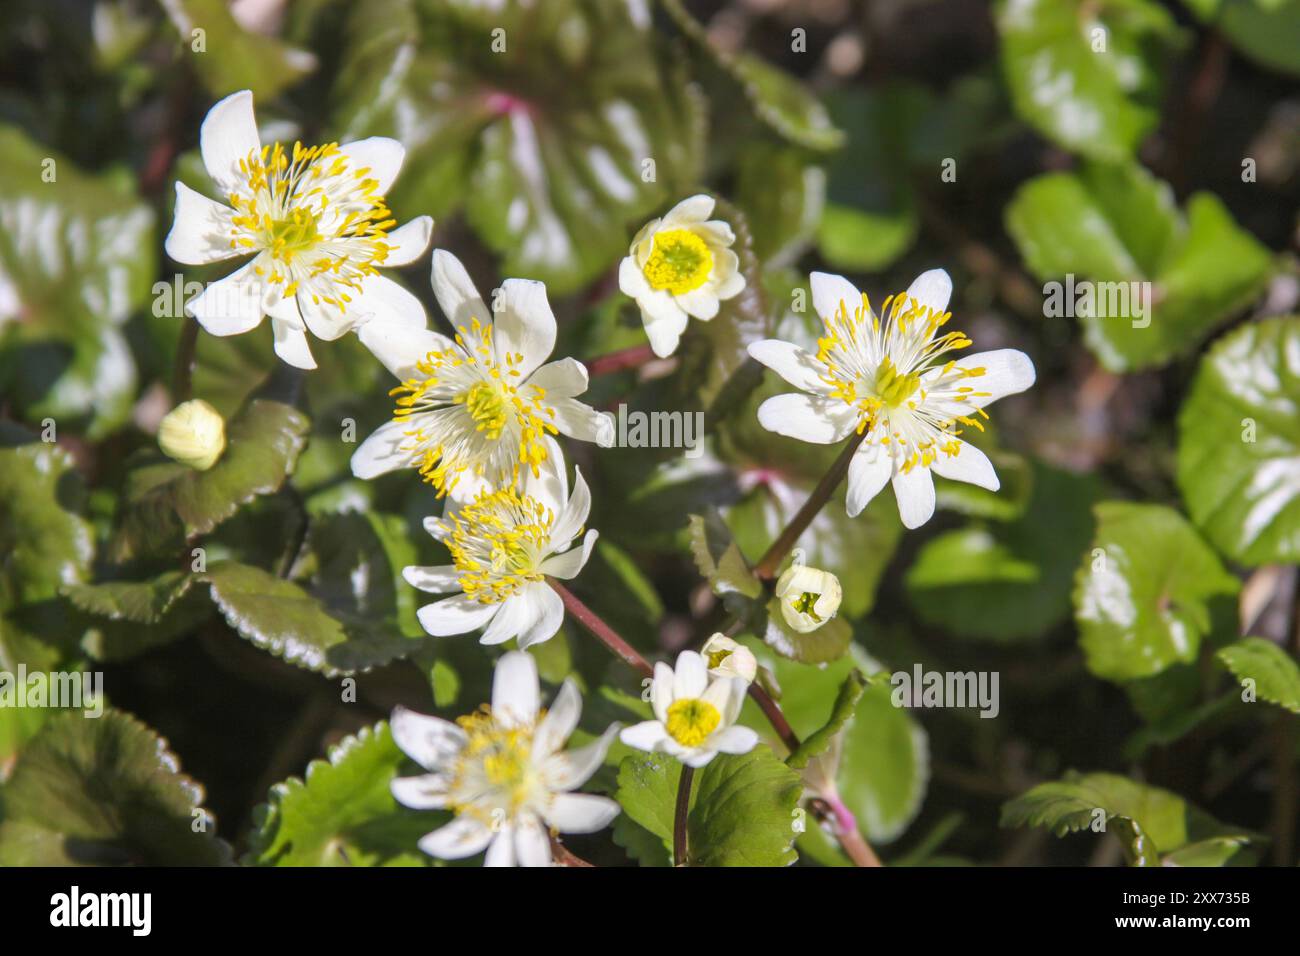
[
  {"x": 647, "y": 735},
  {"x": 569, "y": 769},
  {"x": 228, "y": 135},
  {"x": 798, "y": 367},
  {"x": 380, "y": 297},
  {"x": 567, "y": 566},
  {"x": 399, "y": 346},
  {"x": 524, "y": 324},
  {"x": 434, "y": 579},
  {"x": 381, "y": 155},
  {"x": 690, "y": 210},
  {"x": 456, "y": 295},
  {"x": 429, "y": 741},
  {"x": 550, "y": 485},
  {"x": 517, "y": 613},
  {"x": 550, "y": 615},
  {"x": 583, "y": 422},
  {"x": 532, "y": 843},
  {"x": 915, "y": 493},
  {"x": 564, "y": 378},
  {"x": 420, "y": 793},
  {"x": 969, "y": 465},
  {"x": 735, "y": 740},
  {"x": 574, "y": 514},
  {"x": 698, "y": 757},
  {"x": 661, "y": 690},
  {"x": 407, "y": 243},
  {"x": 831, "y": 291},
  {"x": 869, "y": 471},
  {"x": 200, "y": 229},
  {"x": 502, "y": 850},
  {"x": 380, "y": 453},
  {"x": 515, "y": 694},
  {"x": 932, "y": 290},
  {"x": 1006, "y": 372},
  {"x": 701, "y": 303},
  {"x": 463, "y": 837},
  {"x": 560, "y": 720},
  {"x": 810, "y": 418},
  {"x": 631, "y": 280},
  {"x": 459, "y": 614},
  {"x": 581, "y": 812},
  {"x": 232, "y": 305},
  {"x": 690, "y": 675},
  {"x": 664, "y": 321},
  {"x": 291, "y": 344}
]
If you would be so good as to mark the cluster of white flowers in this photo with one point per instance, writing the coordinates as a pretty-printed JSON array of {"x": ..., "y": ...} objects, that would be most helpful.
[{"x": 477, "y": 413}]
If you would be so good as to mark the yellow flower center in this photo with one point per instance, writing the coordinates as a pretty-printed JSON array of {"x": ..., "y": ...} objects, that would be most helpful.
[
  {"x": 805, "y": 604},
  {"x": 679, "y": 261},
  {"x": 691, "y": 720},
  {"x": 315, "y": 215},
  {"x": 497, "y": 756},
  {"x": 497, "y": 542},
  {"x": 893, "y": 388},
  {"x": 487, "y": 406},
  {"x": 717, "y": 657}
]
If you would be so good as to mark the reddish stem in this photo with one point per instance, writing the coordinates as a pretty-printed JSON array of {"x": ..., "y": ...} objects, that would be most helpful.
[{"x": 633, "y": 357}]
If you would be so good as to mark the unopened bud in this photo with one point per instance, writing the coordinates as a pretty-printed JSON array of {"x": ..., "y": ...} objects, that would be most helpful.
[
  {"x": 726, "y": 658},
  {"x": 809, "y": 597},
  {"x": 193, "y": 433}
]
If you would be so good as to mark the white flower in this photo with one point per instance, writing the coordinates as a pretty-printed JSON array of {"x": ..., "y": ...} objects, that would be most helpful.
[
  {"x": 504, "y": 771},
  {"x": 726, "y": 658},
  {"x": 889, "y": 377},
  {"x": 473, "y": 410},
  {"x": 695, "y": 720},
  {"x": 679, "y": 267},
  {"x": 503, "y": 544},
  {"x": 809, "y": 597},
  {"x": 314, "y": 220},
  {"x": 193, "y": 433}
]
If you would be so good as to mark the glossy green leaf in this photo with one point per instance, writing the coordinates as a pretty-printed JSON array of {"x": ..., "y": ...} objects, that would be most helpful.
[
  {"x": 1274, "y": 674},
  {"x": 1008, "y": 580},
  {"x": 77, "y": 253},
  {"x": 342, "y": 813},
  {"x": 1158, "y": 281},
  {"x": 140, "y": 602},
  {"x": 1151, "y": 822},
  {"x": 718, "y": 558},
  {"x": 1239, "y": 443},
  {"x": 228, "y": 58},
  {"x": 1085, "y": 75},
  {"x": 103, "y": 791},
  {"x": 1143, "y": 595},
  {"x": 846, "y": 700}
]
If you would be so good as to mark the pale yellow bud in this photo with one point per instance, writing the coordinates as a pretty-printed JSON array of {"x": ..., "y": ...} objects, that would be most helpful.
[
  {"x": 193, "y": 433},
  {"x": 726, "y": 658},
  {"x": 809, "y": 597}
]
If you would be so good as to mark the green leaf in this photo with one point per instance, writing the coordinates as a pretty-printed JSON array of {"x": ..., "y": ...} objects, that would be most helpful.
[
  {"x": 742, "y": 808},
  {"x": 782, "y": 193},
  {"x": 1086, "y": 76},
  {"x": 281, "y": 617},
  {"x": 1266, "y": 31},
  {"x": 1239, "y": 444},
  {"x": 1143, "y": 595},
  {"x": 231, "y": 57},
  {"x": 103, "y": 791},
  {"x": 872, "y": 213},
  {"x": 77, "y": 253},
  {"x": 1152, "y": 823},
  {"x": 140, "y": 602},
  {"x": 1275, "y": 674},
  {"x": 1009, "y": 580},
  {"x": 545, "y": 143},
  {"x": 845, "y": 702},
  {"x": 719, "y": 559},
  {"x": 342, "y": 813},
  {"x": 44, "y": 541},
  {"x": 1116, "y": 226},
  {"x": 167, "y": 500},
  {"x": 777, "y": 99},
  {"x": 18, "y": 725}
]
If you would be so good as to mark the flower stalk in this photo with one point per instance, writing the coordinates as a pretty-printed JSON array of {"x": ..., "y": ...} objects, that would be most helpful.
[{"x": 679, "y": 817}]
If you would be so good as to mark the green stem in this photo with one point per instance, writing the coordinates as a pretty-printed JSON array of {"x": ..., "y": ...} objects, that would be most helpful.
[{"x": 679, "y": 818}]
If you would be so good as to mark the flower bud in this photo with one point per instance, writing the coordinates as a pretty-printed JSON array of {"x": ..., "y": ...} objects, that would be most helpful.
[
  {"x": 193, "y": 433},
  {"x": 809, "y": 597},
  {"x": 726, "y": 658}
]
